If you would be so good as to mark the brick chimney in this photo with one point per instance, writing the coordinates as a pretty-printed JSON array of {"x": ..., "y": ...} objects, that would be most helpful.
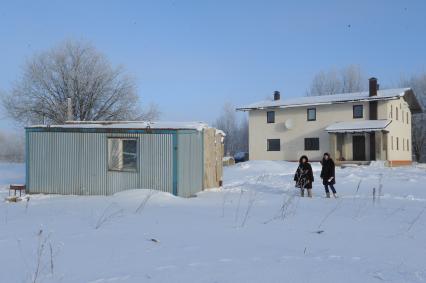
[
  {"x": 373, "y": 86},
  {"x": 277, "y": 95}
]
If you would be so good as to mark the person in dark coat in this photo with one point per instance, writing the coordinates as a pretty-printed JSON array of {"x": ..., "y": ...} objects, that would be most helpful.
[
  {"x": 328, "y": 174},
  {"x": 304, "y": 176}
]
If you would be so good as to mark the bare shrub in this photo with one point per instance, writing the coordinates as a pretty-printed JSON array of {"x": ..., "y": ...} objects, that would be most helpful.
[
  {"x": 44, "y": 257},
  {"x": 145, "y": 200},
  {"x": 330, "y": 213},
  {"x": 288, "y": 207},
  {"x": 414, "y": 221},
  {"x": 250, "y": 203},
  {"x": 111, "y": 212}
]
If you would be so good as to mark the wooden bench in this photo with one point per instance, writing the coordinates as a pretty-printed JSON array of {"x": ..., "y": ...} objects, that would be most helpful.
[{"x": 15, "y": 188}]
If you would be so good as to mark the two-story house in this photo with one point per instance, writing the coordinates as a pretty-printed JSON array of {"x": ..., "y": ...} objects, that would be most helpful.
[{"x": 362, "y": 126}]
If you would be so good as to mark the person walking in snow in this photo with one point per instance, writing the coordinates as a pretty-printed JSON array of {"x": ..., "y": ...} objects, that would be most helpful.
[
  {"x": 327, "y": 175},
  {"x": 304, "y": 176}
]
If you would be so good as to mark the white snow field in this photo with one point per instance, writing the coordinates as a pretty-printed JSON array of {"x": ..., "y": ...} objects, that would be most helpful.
[{"x": 255, "y": 229}]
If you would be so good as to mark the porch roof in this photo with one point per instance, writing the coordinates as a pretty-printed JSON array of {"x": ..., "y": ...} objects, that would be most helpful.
[{"x": 358, "y": 126}]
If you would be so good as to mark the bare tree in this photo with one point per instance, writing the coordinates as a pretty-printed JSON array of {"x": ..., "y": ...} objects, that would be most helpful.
[
  {"x": 236, "y": 131},
  {"x": 325, "y": 83},
  {"x": 418, "y": 84},
  {"x": 346, "y": 80},
  {"x": 353, "y": 79},
  {"x": 243, "y": 134},
  {"x": 419, "y": 136},
  {"x": 75, "y": 70}
]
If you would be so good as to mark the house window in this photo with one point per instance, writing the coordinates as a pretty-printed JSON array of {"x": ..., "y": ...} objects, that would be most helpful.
[
  {"x": 274, "y": 145},
  {"x": 312, "y": 114},
  {"x": 391, "y": 111},
  {"x": 396, "y": 113},
  {"x": 270, "y": 117},
  {"x": 358, "y": 111},
  {"x": 408, "y": 145},
  {"x": 122, "y": 154},
  {"x": 397, "y": 143},
  {"x": 311, "y": 143},
  {"x": 407, "y": 117}
]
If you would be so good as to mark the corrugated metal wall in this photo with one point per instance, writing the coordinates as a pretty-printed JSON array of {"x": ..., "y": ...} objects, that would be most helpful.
[
  {"x": 76, "y": 163},
  {"x": 190, "y": 163}
]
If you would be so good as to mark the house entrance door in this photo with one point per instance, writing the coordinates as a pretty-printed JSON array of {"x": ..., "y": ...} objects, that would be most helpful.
[{"x": 358, "y": 148}]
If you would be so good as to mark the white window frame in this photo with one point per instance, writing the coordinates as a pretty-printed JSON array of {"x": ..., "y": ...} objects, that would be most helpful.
[{"x": 116, "y": 163}]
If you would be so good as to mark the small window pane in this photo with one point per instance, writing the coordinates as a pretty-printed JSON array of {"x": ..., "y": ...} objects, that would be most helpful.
[
  {"x": 122, "y": 154},
  {"x": 129, "y": 154},
  {"x": 312, "y": 114},
  {"x": 311, "y": 143},
  {"x": 270, "y": 117},
  {"x": 274, "y": 145},
  {"x": 358, "y": 111}
]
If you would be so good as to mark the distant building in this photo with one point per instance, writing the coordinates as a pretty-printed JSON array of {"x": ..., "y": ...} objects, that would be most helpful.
[
  {"x": 102, "y": 158},
  {"x": 362, "y": 126}
]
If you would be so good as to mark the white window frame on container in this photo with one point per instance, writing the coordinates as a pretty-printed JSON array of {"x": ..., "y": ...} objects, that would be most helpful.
[{"x": 123, "y": 154}]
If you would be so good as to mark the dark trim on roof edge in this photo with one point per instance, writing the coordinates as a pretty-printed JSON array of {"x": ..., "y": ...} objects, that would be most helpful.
[
  {"x": 108, "y": 130},
  {"x": 366, "y": 99}
]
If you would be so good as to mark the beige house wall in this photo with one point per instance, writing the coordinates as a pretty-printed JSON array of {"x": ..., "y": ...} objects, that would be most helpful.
[
  {"x": 292, "y": 140},
  {"x": 399, "y": 128}
]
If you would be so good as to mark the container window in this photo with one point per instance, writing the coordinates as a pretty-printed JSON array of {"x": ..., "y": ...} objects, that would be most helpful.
[{"x": 122, "y": 154}]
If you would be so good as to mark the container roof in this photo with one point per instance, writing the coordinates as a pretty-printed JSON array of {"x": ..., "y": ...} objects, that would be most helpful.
[
  {"x": 130, "y": 125},
  {"x": 385, "y": 94},
  {"x": 358, "y": 126}
]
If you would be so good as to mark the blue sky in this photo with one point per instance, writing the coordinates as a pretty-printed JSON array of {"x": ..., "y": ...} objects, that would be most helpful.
[{"x": 190, "y": 57}]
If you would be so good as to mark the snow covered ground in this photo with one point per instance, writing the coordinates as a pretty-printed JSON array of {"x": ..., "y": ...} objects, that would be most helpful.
[{"x": 255, "y": 229}]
